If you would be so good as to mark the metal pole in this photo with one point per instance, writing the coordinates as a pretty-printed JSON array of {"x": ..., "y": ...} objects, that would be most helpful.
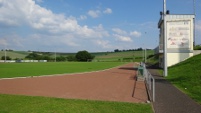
[
  {"x": 5, "y": 55},
  {"x": 142, "y": 54},
  {"x": 194, "y": 22},
  {"x": 165, "y": 73},
  {"x": 145, "y": 55},
  {"x": 145, "y": 50},
  {"x": 55, "y": 55}
]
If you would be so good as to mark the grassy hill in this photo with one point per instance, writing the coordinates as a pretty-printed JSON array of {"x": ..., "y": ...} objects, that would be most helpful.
[
  {"x": 122, "y": 56},
  {"x": 127, "y": 56},
  {"x": 14, "y": 54},
  {"x": 187, "y": 77}
]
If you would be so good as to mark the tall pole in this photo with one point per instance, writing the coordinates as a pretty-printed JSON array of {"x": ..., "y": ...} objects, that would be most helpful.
[
  {"x": 5, "y": 55},
  {"x": 165, "y": 73},
  {"x": 194, "y": 22},
  {"x": 145, "y": 55},
  {"x": 142, "y": 53},
  {"x": 55, "y": 55},
  {"x": 145, "y": 52}
]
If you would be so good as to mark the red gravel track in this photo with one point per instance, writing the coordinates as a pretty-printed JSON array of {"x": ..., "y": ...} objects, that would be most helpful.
[{"x": 116, "y": 84}]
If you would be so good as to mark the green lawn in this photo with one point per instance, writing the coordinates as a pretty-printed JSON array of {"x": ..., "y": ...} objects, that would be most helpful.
[
  {"x": 187, "y": 77},
  {"x": 28, "y": 104},
  {"x": 9, "y": 70}
]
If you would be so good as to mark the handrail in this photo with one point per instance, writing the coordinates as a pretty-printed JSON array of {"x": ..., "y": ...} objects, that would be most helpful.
[{"x": 150, "y": 82}]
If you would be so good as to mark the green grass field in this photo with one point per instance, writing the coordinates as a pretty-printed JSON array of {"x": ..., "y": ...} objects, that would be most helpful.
[
  {"x": 9, "y": 70},
  {"x": 187, "y": 77},
  {"x": 28, "y": 104}
]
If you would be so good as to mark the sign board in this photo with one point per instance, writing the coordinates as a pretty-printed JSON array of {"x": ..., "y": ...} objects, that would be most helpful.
[{"x": 178, "y": 34}]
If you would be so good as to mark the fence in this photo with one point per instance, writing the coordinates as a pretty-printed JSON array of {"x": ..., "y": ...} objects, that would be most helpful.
[
  {"x": 13, "y": 61},
  {"x": 149, "y": 81}
]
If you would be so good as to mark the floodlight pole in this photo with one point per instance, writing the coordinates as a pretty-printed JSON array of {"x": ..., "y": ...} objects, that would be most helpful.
[
  {"x": 165, "y": 73},
  {"x": 145, "y": 55},
  {"x": 5, "y": 55},
  {"x": 145, "y": 52},
  {"x": 142, "y": 53},
  {"x": 55, "y": 55},
  {"x": 194, "y": 22}
]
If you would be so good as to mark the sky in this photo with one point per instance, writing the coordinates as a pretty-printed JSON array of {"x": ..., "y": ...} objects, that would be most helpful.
[{"x": 92, "y": 25}]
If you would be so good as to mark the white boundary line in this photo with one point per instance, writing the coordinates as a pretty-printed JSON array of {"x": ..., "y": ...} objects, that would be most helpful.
[{"x": 61, "y": 74}]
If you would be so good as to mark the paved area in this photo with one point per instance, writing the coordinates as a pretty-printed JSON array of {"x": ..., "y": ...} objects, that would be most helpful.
[
  {"x": 171, "y": 100},
  {"x": 117, "y": 84}
]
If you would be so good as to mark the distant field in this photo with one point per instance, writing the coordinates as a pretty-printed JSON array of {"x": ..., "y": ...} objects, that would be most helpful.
[
  {"x": 9, "y": 70},
  {"x": 135, "y": 56},
  {"x": 13, "y": 54},
  {"x": 28, "y": 104},
  {"x": 126, "y": 56}
]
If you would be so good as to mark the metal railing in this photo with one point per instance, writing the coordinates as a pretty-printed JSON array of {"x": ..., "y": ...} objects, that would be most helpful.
[{"x": 150, "y": 82}]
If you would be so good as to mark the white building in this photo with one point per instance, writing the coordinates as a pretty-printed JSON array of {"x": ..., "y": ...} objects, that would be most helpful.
[{"x": 180, "y": 38}]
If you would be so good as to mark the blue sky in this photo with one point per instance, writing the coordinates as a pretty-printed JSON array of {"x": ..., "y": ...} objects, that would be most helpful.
[{"x": 92, "y": 25}]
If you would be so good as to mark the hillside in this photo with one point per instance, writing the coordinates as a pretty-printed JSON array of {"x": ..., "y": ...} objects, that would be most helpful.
[
  {"x": 14, "y": 54},
  {"x": 187, "y": 77},
  {"x": 122, "y": 56},
  {"x": 127, "y": 56}
]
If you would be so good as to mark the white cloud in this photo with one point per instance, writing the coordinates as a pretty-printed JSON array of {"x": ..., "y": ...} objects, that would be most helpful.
[
  {"x": 11, "y": 41},
  {"x": 83, "y": 17},
  {"x": 94, "y": 13},
  {"x": 3, "y": 42},
  {"x": 39, "y": 1},
  {"x": 122, "y": 38},
  {"x": 26, "y": 12},
  {"x": 107, "y": 11},
  {"x": 47, "y": 28},
  {"x": 102, "y": 43},
  {"x": 101, "y": 32},
  {"x": 105, "y": 44},
  {"x": 135, "y": 34},
  {"x": 119, "y": 31},
  {"x": 97, "y": 13}
]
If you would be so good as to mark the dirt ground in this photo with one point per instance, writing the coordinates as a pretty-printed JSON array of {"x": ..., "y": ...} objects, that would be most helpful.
[{"x": 116, "y": 84}]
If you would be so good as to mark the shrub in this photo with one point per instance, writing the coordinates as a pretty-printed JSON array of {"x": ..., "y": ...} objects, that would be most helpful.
[{"x": 83, "y": 56}]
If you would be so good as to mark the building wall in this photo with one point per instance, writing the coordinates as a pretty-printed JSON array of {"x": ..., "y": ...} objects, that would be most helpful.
[
  {"x": 179, "y": 29},
  {"x": 196, "y": 52},
  {"x": 174, "y": 58}
]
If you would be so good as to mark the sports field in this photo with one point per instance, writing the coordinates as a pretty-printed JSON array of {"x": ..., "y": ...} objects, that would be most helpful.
[
  {"x": 23, "y": 104},
  {"x": 9, "y": 70}
]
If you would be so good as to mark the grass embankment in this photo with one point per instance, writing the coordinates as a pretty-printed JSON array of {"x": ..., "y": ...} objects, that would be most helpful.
[
  {"x": 27, "y": 104},
  {"x": 9, "y": 70},
  {"x": 187, "y": 77}
]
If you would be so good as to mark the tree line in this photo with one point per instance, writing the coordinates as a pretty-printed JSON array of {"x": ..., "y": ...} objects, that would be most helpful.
[
  {"x": 138, "y": 49},
  {"x": 82, "y": 56}
]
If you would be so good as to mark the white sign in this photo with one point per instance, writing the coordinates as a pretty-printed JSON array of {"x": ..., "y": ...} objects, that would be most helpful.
[{"x": 178, "y": 34}]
